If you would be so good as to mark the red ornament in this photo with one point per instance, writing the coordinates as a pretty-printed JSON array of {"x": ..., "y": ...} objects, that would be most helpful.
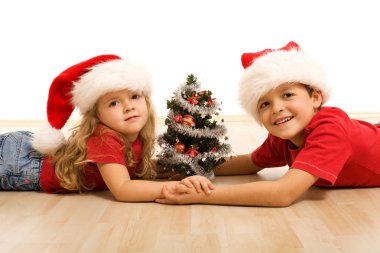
[
  {"x": 192, "y": 152},
  {"x": 210, "y": 101},
  {"x": 188, "y": 120},
  {"x": 214, "y": 149},
  {"x": 178, "y": 118},
  {"x": 193, "y": 99},
  {"x": 180, "y": 147}
]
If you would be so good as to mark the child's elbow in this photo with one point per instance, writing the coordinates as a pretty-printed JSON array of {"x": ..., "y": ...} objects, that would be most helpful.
[
  {"x": 284, "y": 199},
  {"x": 122, "y": 196},
  {"x": 119, "y": 197},
  {"x": 124, "y": 192}
]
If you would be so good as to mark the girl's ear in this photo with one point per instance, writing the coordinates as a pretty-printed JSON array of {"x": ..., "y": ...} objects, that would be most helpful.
[{"x": 316, "y": 96}]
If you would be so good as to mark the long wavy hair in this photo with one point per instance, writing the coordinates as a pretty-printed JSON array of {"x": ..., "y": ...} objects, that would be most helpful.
[{"x": 69, "y": 161}]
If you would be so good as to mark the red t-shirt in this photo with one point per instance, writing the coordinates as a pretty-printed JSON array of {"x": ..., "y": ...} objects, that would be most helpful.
[
  {"x": 339, "y": 150},
  {"x": 102, "y": 147}
]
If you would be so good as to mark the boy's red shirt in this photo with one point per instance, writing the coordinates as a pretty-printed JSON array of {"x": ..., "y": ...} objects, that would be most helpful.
[
  {"x": 340, "y": 151},
  {"x": 104, "y": 146}
]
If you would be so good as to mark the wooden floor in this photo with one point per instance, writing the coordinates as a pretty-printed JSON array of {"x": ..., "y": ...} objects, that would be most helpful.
[{"x": 344, "y": 220}]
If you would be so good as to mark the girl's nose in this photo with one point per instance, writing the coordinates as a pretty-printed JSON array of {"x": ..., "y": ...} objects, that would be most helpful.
[{"x": 128, "y": 105}]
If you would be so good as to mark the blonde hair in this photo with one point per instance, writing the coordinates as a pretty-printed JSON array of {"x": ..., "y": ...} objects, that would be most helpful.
[
  {"x": 69, "y": 161},
  {"x": 148, "y": 137}
]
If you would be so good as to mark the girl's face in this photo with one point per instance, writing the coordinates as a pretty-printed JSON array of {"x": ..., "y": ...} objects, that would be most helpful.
[
  {"x": 124, "y": 111},
  {"x": 287, "y": 110}
]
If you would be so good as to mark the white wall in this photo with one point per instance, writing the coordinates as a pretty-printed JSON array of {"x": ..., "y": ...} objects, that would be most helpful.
[{"x": 39, "y": 39}]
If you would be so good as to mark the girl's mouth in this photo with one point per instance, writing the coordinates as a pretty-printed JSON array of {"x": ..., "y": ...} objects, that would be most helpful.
[{"x": 132, "y": 117}]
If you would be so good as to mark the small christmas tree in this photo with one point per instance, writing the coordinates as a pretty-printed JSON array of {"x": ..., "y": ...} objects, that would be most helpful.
[{"x": 191, "y": 145}]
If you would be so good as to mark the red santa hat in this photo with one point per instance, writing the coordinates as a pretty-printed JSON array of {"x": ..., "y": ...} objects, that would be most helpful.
[
  {"x": 80, "y": 86},
  {"x": 269, "y": 68}
]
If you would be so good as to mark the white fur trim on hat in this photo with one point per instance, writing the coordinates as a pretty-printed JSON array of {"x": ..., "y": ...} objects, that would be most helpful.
[
  {"x": 275, "y": 68},
  {"x": 47, "y": 140},
  {"x": 108, "y": 77}
]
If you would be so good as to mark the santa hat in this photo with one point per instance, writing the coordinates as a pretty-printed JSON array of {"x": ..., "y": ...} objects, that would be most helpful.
[
  {"x": 80, "y": 86},
  {"x": 267, "y": 69}
]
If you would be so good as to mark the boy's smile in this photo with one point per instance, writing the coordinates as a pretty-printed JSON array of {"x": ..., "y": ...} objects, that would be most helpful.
[
  {"x": 282, "y": 120},
  {"x": 287, "y": 110}
]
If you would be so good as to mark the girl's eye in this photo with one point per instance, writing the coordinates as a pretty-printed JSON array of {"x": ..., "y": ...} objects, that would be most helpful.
[
  {"x": 136, "y": 96},
  {"x": 112, "y": 104}
]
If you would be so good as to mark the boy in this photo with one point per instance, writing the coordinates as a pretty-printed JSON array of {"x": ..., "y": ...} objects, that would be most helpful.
[{"x": 284, "y": 90}]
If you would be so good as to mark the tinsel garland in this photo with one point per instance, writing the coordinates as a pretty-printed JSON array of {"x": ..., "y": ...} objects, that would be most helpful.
[
  {"x": 195, "y": 132},
  {"x": 178, "y": 98}
]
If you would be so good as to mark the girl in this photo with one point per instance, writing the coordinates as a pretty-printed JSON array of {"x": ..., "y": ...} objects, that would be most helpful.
[
  {"x": 112, "y": 144},
  {"x": 284, "y": 90}
]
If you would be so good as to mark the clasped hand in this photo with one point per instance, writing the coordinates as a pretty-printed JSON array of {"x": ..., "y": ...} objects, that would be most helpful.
[{"x": 187, "y": 191}]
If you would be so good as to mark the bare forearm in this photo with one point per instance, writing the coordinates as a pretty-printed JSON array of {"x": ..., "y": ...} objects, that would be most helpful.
[
  {"x": 263, "y": 193},
  {"x": 279, "y": 193},
  {"x": 140, "y": 191}
]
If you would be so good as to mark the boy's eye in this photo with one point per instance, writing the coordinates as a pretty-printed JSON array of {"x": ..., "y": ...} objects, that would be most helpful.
[
  {"x": 288, "y": 95},
  {"x": 263, "y": 105}
]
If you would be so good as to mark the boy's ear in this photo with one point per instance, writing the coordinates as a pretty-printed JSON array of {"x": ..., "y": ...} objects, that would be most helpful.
[{"x": 317, "y": 98}]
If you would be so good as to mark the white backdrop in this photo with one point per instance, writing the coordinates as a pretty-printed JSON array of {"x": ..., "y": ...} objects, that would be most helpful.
[{"x": 39, "y": 39}]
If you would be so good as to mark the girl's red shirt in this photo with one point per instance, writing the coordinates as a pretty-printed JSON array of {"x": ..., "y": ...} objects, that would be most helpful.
[{"x": 104, "y": 146}]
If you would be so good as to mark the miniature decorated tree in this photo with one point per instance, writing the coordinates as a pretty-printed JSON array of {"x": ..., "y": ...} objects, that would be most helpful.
[{"x": 194, "y": 141}]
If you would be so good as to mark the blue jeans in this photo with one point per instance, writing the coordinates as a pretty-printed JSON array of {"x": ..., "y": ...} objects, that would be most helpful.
[{"x": 20, "y": 164}]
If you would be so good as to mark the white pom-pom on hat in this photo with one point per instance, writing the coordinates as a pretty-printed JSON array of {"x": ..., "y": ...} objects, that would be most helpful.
[{"x": 47, "y": 140}]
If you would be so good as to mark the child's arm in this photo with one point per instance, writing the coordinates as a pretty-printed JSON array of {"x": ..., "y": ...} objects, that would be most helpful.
[
  {"x": 117, "y": 179},
  {"x": 279, "y": 193},
  {"x": 239, "y": 165}
]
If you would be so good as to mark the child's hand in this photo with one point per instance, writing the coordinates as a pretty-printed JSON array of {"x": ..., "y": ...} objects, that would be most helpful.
[
  {"x": 180, "y": 194},
  {"x": 198, "y": 182},
  {"x": 172, "y": 187}
]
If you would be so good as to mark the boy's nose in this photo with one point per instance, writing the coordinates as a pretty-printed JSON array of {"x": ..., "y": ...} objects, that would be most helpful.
[{"x": 277, "y": 106}]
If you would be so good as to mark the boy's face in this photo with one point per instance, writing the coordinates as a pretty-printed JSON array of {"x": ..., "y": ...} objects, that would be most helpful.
[
  {"x": 287, "y": 110},
  {"x": 124, "y": 111}
]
